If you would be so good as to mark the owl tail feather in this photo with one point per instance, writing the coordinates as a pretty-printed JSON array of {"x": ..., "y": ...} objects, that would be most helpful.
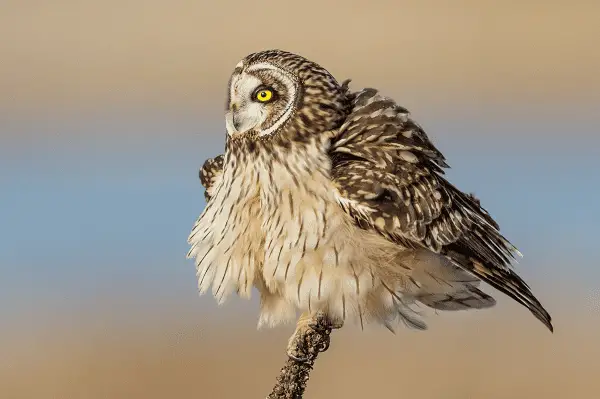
[
  {"x": 468, "y": 298},
  {"x": 509, "y": 283}
]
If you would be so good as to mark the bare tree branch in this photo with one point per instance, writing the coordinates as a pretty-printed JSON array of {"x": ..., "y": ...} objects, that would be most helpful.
[{"x": 293, "y": 377}]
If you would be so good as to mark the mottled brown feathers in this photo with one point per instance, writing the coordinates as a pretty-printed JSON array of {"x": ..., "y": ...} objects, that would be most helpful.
[
  {"x": 384, "y": 164},
  {"x": 211, "y": 170},
  {"x": 347, "y": 206},
  {"x": 322, "y": 103}
]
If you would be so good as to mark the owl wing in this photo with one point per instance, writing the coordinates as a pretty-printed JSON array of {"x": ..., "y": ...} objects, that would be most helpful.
[
  {"x": 390, "y": 180},
  {"x": 211, "y": 172}
]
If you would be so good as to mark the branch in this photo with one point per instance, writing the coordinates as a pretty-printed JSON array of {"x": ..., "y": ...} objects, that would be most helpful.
[{"x": 293, "y": 377}]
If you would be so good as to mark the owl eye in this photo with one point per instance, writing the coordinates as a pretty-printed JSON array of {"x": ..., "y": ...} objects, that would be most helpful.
[{"x": 264, "y": 95}]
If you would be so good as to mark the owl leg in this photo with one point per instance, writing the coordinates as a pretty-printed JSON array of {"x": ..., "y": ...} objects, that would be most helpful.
[
  {"x": 296, "y": 341},
  {"x": 318, "y": 323}
]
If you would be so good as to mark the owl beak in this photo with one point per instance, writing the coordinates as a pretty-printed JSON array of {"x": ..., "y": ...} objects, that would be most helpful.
[
  {"x": 229, "y": 125},
  {"x": 238, "y": 121},
  {"x": 235, "y": 121}
]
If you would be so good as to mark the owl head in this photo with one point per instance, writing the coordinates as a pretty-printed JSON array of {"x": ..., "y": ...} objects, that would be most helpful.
[{"x": 275, "y": 92}]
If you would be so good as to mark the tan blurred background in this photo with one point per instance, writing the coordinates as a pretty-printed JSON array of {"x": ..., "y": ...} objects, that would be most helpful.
[
  {"x": 70, "y": 53},
  {"x": 129, "y": 326}
]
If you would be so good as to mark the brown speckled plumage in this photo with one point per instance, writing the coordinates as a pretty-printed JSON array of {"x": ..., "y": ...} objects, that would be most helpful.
[
  {"x": 333, "y": 201},
  {"x": 210, "y": 171}
]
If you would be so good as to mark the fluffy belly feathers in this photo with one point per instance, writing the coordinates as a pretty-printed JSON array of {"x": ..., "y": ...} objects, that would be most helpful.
[
  {"x": 281, "y": 230},
  {"x": 284, "y": 235}
]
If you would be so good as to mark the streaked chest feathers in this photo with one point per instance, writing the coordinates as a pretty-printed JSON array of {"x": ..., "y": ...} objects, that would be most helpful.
[{"x": 273, "y": 221}]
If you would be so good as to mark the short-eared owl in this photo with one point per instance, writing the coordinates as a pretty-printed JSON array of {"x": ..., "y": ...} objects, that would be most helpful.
[{"x": 334, "y": 202}]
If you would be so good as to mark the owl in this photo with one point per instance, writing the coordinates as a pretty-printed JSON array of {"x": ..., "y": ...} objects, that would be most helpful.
[{"x": 333, "y": 203}]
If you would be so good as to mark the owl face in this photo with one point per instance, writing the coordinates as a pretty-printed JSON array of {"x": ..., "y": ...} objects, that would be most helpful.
[
  {"x": 262, "y": 97},
  {"x": 275, "y": 91}
]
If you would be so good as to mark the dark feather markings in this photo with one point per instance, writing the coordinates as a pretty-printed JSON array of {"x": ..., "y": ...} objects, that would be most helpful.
[
  {"x": 391, "y": 176},
  {"x": 211, "y": 168},
  {"x": 383, "y": 161},
  {"x": 504, "y": 280}
]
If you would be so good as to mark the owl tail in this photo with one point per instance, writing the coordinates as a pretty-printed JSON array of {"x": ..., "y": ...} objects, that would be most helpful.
[
  {"x": 468, "y": 298},
  {"x": 508, "y": 282},
  {"x": 444, "y": 286}
]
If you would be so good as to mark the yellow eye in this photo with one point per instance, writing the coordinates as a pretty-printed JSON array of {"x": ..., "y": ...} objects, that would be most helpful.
[{"x": 264, "y": 95}]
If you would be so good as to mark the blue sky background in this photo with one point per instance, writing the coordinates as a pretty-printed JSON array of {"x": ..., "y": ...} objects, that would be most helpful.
[{"x": 100, "y": 206}]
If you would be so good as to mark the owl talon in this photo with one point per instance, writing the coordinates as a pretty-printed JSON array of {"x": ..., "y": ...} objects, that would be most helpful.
[
  {"x": 293, "y": 348},
  {"x": 325, "y": 345},
  {"x": 297, "y": 358},
  {"x": 325, "y": 328},
  {"x": 318, "y": 327}
]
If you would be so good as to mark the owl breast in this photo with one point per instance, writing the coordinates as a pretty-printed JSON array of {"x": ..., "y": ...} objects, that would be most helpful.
[
  {"x": 226, "y": 240},
  {"x": 274, "y": 222}
]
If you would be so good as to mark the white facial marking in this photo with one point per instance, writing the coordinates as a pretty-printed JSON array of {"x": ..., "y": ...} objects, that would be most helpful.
[
  {"x": 231, "y": 130},
  {"x": 249, "y": 114},
  {"x": 290, "y": 84}
]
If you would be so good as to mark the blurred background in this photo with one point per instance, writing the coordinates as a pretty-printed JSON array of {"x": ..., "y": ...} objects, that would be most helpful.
[{"x": 108, "y": 109}]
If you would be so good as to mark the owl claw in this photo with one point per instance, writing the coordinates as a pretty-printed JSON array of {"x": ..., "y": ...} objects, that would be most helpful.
[
  {"x": 293, "y": 347},
  {"x": 291, "y": 352},
  {"x": 325, "y": 345},
  {"x": 296, "y": 358},
  {"x": 325, "y": 328},
  {"x": 316, "y": 324}
]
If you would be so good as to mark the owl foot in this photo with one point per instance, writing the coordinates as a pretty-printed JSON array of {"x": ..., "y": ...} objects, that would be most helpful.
[
  {"x": 296, "y": 358},
  {"x": 312, "y": 334},
  {"x": 298, "y": 345},
  {"x": 321, "y": 324}
]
